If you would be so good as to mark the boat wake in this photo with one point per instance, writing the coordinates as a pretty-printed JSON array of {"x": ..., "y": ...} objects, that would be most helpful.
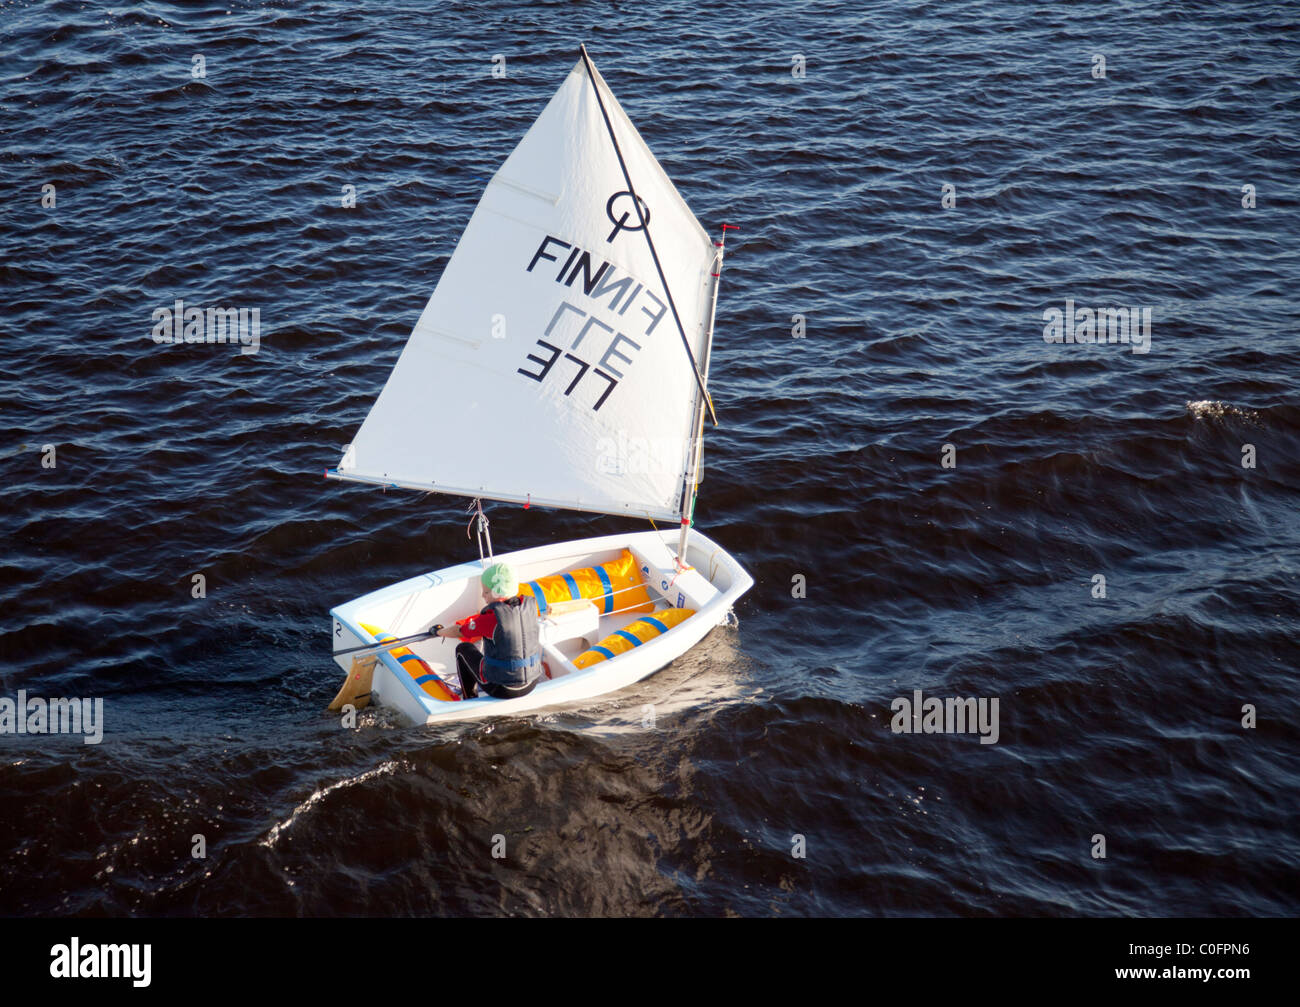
[
  {"x": 320, "y": 794},
  {"x": 1211, "y": 409}
]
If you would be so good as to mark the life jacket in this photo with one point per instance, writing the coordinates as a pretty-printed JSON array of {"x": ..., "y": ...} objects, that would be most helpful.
[{"x": 512, "y": 655}]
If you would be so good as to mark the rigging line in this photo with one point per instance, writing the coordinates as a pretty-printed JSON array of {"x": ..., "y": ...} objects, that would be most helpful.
[
  {"x": 645, "y": 229},
  {"x": 638, "y": 607},
  {"x": 403, "y": 613}
]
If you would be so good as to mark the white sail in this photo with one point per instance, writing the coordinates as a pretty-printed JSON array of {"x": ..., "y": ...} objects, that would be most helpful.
[{"x": 547, "y": 366}]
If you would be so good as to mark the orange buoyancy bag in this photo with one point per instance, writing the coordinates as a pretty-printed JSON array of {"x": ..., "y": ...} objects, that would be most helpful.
[
  {"x": 633, "y": 635},
  {"x": 415, "y": 666},
  {"x": 615, "y": 586}
]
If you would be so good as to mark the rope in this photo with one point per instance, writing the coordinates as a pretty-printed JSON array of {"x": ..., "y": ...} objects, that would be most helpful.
[
  {"x": 616, "y": 611},
  {"x": 401, "y": 617},
  {"x": 476, "y": 510}
]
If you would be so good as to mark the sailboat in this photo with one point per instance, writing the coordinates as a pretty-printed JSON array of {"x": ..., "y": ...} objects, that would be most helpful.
[{"x": 562, "y": 361}]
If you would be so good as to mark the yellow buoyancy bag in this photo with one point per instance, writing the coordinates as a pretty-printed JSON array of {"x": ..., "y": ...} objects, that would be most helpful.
[
  {"x": 635, "y": 634},
  {"x": 615, "y": 586},
  {"x": 415, "y": 666}
]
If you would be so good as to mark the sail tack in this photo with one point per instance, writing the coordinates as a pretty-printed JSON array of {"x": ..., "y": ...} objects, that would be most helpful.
[{"x": 546, "y": 367}]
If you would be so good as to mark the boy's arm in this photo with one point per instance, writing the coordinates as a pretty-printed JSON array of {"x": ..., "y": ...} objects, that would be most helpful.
[{"x": 471, "y": 628}]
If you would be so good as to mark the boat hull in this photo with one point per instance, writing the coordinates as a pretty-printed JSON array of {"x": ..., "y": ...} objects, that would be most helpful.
[{"x": 443, "y": 596}]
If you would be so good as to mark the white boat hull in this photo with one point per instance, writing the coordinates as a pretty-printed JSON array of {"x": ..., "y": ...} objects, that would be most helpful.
[{"x": 443, "y": 596}]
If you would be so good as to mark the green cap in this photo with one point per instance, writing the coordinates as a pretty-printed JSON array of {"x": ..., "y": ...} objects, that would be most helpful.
[{"x": 499, "y": 581}]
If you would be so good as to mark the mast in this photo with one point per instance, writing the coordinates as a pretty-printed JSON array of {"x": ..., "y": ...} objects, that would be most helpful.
[{"x": 691, "y": 483}]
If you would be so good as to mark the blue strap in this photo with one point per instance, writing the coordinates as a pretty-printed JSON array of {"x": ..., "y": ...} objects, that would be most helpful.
[
  {"x": 539, "y": 595},
  {"x": 513, "y": 663},
  {"x": 628, "y": 636},
  {"x": 609, "y": 589},
  {"x": 574, "y": 593},
  {"x": 602, "y": 650},
  {"x": 655, "y": 623}
]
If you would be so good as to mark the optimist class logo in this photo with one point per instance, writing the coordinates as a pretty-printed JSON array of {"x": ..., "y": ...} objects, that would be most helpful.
[{"x": 620, "y": 223}]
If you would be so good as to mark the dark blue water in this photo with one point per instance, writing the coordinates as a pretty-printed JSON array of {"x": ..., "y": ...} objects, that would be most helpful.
[{"x": 1120, "y": 716}]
